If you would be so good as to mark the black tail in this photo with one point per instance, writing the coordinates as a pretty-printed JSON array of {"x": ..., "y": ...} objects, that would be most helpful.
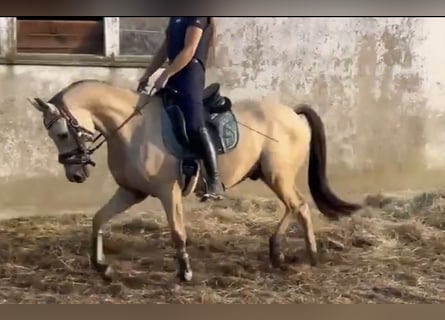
[{"x": 327, "y": 202}]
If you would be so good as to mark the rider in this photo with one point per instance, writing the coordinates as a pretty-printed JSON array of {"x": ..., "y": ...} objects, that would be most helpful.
[{"x": 187, "y": 44}]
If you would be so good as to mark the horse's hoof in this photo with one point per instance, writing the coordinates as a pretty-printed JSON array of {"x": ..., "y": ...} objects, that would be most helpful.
[
  {"x": 105, "y": 271},
  {"x": 184, "y": 270},
  {"x": 275, "y": 255},
  {"x": 277, "y": 260},
  {"x": 313, "y": 260},
  {"x": 185, "y": 276},
  {"x": 108, "y": 274}
]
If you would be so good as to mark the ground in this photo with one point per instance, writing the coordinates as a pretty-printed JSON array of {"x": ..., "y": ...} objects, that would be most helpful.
[{"x": 390, "y": 252}]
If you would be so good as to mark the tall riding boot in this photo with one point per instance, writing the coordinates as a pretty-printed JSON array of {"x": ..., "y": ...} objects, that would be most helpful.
[{"x": 214, "y": 186}]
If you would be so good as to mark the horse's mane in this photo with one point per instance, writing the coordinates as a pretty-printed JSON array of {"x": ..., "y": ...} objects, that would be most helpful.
[{"x": 58, "y": 97}]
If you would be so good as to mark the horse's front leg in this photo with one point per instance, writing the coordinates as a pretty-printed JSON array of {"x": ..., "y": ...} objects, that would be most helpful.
[
  {"x": 171, "y": 199},
  {"x": 121, "y": 200}
]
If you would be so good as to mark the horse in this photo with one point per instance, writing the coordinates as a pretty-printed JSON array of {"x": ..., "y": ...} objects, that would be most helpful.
[{"x": 150, "y": 154}]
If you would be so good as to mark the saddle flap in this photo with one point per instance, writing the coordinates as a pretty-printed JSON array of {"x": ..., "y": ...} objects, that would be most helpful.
[{"x": 178, "y": 121}]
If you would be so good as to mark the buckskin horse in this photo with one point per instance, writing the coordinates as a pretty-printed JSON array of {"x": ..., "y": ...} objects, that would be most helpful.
[{"x": 149, "y": 154}]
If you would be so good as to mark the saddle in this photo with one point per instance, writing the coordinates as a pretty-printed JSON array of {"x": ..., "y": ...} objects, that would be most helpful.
[
  {"x": 219, "y": 119},
  {"x": 215, "y": 106}
]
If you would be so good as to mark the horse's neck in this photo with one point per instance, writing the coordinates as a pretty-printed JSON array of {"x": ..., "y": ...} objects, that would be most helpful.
[{"x": 112, "y": 112}]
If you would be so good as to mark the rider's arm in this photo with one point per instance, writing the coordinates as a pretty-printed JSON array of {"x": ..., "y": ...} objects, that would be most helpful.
[
  {"x": 158, "y": 59},
  {"x": 193, "y": 34}
]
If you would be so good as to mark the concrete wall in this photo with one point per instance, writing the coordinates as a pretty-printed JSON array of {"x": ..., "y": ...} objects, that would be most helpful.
[{"x": 377, "y": 84}]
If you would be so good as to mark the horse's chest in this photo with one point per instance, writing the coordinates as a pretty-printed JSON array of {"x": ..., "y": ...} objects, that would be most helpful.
[
  {"x": 137, "y": 168},
  {"x": 123, "y": 165}
]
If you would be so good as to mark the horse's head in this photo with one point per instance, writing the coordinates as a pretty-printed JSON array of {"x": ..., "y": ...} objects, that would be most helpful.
[{"x": 69, "y": 137}]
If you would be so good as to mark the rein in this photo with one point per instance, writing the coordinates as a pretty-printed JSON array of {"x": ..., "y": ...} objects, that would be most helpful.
[{"x": 137, "y": 111}]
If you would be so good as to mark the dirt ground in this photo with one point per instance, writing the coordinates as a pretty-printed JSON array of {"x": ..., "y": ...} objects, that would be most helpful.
[{"x": 390, "y": 252}]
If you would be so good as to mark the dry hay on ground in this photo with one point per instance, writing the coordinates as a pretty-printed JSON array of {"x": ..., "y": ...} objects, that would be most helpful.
[{"x": 389, "y": 254}]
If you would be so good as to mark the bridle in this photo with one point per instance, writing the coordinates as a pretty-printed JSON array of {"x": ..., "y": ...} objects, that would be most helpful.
[{"x": 81, "y": 155}]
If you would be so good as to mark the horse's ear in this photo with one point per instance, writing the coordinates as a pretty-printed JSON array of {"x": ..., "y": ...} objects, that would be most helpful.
[{"x": 40, "y": 105}]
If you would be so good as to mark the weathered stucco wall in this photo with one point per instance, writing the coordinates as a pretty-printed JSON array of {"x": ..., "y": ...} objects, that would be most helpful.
[{"x": 377, "y": 83}]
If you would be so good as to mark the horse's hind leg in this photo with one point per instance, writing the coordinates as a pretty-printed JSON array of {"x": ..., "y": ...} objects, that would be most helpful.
[
  {"x": 171, "y": 199},
  {"x": 304, "y": 217},
  {"x": 119, "y": 202},
  {"x": 283, "y": 186},
  {"x": 275, "y": 254}
]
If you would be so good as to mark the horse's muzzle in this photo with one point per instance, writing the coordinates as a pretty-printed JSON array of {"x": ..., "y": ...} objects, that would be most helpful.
[
  {"x": 78, "y": 174},
  {"x": 79, "y": 178}
]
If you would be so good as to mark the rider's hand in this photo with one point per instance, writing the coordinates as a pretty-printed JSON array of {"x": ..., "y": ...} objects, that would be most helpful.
[
  {"x": 143, "y": 81},
  {"x": 161, "y": 81}
]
